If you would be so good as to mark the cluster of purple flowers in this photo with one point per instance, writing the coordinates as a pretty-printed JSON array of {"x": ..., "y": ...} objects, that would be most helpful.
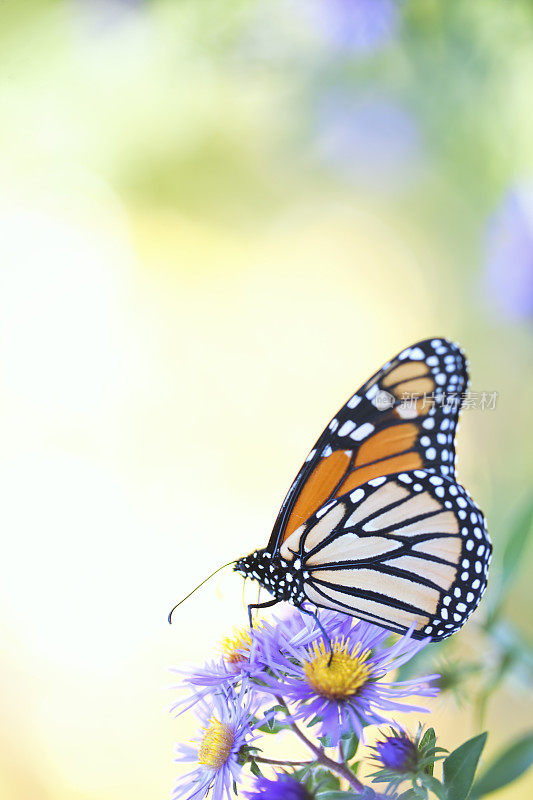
[{"x": 284, "y": 674}]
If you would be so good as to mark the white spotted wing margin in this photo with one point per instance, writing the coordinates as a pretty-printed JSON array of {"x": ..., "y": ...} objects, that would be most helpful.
[
  {"x": 403, "y": 550},
  {"x": 434, "y": 370}
]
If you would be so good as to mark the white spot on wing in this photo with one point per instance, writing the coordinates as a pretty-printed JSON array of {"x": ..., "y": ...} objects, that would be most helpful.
[
  {"x": 347, "y": 428},
  {"x": 362, "y": 432},
  {"x": 354, "y": 401},
  {"x": 357, "y": 495},
  {"x": 416, "y": 353},
  {"x": 322, "y": 511},
  {"x": 372, "y": 392}
]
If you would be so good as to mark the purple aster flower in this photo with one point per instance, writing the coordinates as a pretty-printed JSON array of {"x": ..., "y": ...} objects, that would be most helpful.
[
  {"x": 296, "y": 630},
  {"x": 400, "y": 757},
  {"x": 282, "y": 788},
  {"x": 348, "y": 690},
  {"x": 241, "y": 657},
  {"x": 397, "y": 752},
  {"x": 227, "y": 726},
  {"x": 247, "y": 654},
  {"x": 509, "y": 255}
]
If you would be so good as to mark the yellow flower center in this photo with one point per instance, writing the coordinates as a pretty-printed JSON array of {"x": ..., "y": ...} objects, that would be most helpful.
[
  {"x": 344, "y": 676},
  {"x": 216, "y": 745},
  {"x": 236, "y": 648}
]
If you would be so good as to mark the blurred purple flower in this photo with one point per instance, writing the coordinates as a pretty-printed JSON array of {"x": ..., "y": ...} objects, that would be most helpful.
[
  {"x": 227, "y": 725},
  {"x": 350, "y": 692},
  {"x": 282, "y": 788},
  {"x": 356, "y": 25},
  {"x": 374, "y": 141},
  {"x": 508, "y": 277},
  {"x": 106, "y": 16}
]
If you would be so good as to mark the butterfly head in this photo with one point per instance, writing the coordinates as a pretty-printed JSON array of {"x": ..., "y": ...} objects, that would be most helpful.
[{"x": 280, "y": 577}]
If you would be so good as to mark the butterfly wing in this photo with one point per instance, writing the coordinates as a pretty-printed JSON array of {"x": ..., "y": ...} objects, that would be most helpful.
[
  {"x": 403, "y": 418},
  {"x": 401, "y": 550}
]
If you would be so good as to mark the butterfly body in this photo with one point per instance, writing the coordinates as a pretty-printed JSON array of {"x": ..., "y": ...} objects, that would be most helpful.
[
  {"x": 375, "y": 524},
  {"x": 283, "y": 579}
]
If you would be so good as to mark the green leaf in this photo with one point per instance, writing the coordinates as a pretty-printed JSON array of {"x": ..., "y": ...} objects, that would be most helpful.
[
  {"x": 435, "y": 786},
  {"x": 272, "y": 726},
  {"x": 335, "y": 795},
  {"x": 349, "y": 745},
  {"x": 460, "y": 767},
  {"x": 516, "y": 543},
  {"x": 429, "y": 739},
  {"x": 324, "y": 780},
  {"x": 326, "y": 740},
  {"x": 254, "y": 769},
  {"x": 302, "y": 774},
  {"x": 507, "y": 767},
  {"x": 512, "y": 556}
]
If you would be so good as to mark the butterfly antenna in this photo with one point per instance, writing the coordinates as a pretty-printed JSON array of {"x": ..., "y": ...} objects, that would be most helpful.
[{"x": 198, "y": 587}]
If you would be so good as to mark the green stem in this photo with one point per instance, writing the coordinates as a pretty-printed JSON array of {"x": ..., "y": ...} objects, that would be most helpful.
[
  {"x": 341, "y": 769},
  {"x": 275, "y": 761}
]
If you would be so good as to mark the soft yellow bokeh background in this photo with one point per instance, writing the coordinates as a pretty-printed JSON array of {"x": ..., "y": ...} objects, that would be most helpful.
[{"x": 186, "y": 297}]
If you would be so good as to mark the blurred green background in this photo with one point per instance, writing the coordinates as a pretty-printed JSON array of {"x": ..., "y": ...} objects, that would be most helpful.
[{"x": 216, "y": 220}]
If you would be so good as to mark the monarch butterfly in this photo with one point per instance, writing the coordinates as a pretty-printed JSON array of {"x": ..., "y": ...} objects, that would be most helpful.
[{"x": 375, "y": 524}]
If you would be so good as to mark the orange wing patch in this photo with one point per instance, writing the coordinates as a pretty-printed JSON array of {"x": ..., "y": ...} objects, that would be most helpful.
[
  {"x": 405, "y": 372},
  {"x": 388, "y": 442},
  {"x": 411, "y": 379},
  {"x": 390, "y": 466},
  {"x": 387, "y": 452},
  {"x": 384, "y": 453},
  {"x": 320, "y": 485},
  {"x": 416, "y": 388}
]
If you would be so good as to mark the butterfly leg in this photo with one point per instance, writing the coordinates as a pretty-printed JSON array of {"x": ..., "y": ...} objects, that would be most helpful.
[
  {"x": 260, "y": 605},
  {"x": 324, "y": 634}
]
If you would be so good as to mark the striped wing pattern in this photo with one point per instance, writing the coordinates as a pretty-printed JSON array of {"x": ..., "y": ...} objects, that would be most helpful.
[
  {"x": 402, "y": 550},
  {"x": 403, "y": 418}
]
